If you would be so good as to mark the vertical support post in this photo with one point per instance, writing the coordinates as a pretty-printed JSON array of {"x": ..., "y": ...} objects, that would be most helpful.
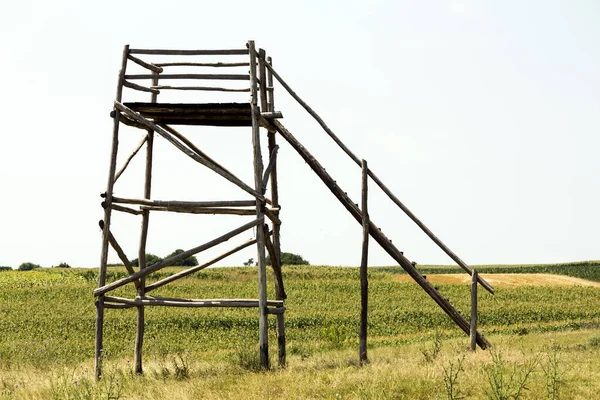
[
  {"x": 281, "y": 353},
  {"x": 107, "y": 214},
  {"x": 270, "y": 89},
  {"x": 263, "y": 325},
  {"x": 473, "y": 331},
  {"x": 364, "y": 284},
  {"x": 141, "y": 291}
]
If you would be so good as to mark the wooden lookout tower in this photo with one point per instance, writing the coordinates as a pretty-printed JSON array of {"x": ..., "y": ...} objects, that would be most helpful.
[{"x": 262, "y": 198}]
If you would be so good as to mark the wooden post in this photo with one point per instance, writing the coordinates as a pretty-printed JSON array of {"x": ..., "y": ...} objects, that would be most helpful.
[
  {"x": 279, "y": 292},
  {"x": 263, "y": 325},
  {"x": 141, "y": 290},
  {"x": 473, "y": 332},
  {"x": 364, "y": 284},
  {"x": 106, "y": 228}
]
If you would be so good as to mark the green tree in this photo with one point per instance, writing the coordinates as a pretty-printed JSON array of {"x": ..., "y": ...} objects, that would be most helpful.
[
  {"x": 190, "y": 261},
  {"x": 289, "y": 259},
  {"x": 150, "y": 259},
  {"x": 28, "y": 266}
]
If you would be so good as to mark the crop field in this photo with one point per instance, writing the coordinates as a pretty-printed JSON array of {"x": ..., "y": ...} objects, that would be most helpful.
[{"x": 553, "y": 331}]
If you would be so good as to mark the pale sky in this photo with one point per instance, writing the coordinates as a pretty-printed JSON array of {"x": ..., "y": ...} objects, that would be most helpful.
[{"x": 481, "y": 116}]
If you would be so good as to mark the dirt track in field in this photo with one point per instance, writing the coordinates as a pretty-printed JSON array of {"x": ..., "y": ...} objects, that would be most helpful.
[{"x": 505, "y": 279}]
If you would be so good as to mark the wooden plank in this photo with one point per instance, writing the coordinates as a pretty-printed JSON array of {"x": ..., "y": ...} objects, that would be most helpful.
[
  {"x": 270, "y": 90},
  {"x": 271, "y": 214},
  {"x": 192, "y": 204},
  {"x": 203, "y": 64},
  {"x": 128, "y": 160},
  {"x": 276, "y": 265},
  {"x": 107, "y": 217},
  {"x": 376, "y": 233},
  {"x": 193, "y": 155},
  {"x": 271, "y": 115},
  {"x": 141, "y": 291},
  {"x": 270, "y": 166},
  {"x": 201, "y": 88},
  {"x": 196, "y": 303},
  {"x": 280, "y": 322},
  {"x": 140, "y": 88},
  {"x": 421, "y": 225},
  {"x": 263, "y": 328},
  {"x": 115, "y": 245},
  {"x": 125, "y": 209},
  {"x": 197, "y": 268},
  {"x": 262, "y": 71},
  {"x": 364, "y": 283},
  {"x": 202, "y": 210},
  {"x": 473, "y": 331},
  {"x": 169, "y": 52},
  {"x": 216, "y": 77},
  {"x": 172, "y": 260},
  {"x": 150, "y": 66}
]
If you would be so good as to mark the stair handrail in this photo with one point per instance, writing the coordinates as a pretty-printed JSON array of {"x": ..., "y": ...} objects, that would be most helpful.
[{"x": 379, "y": 183}]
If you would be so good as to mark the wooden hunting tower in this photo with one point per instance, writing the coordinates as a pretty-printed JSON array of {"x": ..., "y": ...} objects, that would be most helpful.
[{"x": 154, "y": 117}]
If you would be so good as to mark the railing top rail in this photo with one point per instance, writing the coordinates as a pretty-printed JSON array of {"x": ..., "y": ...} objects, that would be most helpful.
[
  {"x": 379, "y": 183},
  {"x": 189, "y": 52}
]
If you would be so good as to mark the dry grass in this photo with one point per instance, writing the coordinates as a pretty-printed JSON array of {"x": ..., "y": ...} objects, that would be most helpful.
[
  {"x": 398, "y": 372},
  {"x": 506, "y": 279}
]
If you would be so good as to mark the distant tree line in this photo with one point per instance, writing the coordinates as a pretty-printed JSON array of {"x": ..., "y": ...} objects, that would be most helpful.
[
  {"x": 289, "y": 259},
  {"x": 190, "y": 261}
]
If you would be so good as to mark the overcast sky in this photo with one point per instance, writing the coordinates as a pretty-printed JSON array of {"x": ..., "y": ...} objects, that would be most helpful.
[{"x": 481, "y": 116}]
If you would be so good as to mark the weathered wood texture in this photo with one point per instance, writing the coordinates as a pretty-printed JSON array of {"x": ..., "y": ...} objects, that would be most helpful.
[
  {"x": 202, "y": 210},
  {"x": 107, "y": 217},
  {"x": 150, "y": 66},
  {"x": 376, "y": 233},
  {"x": 140, "y": 88},
  {"x": 198, "y": 303},
  {"x": 276, "y": 265},
  {"x": 379, "y": 183},
  {"x": 169, "y": 52},
  {"x": 187, "y": 151},
  {"x": 263, "y": 329},
  {"x": 119, "y": 250},
  {"x": 270, "y": 166},
  {"x": 272, "y": 115},
  {"x": 201, "y": 88},
  {"x": 172, "y": 260},
  {"x": 364, "y": 283},
  {"x": 473, "y": 331},
  {"x": 128, "y": 160},
  {"x": 216, "y": 77},
  {"x": 125, "y": 209},
  {"x": 192, "y": 204},
  {"x": 141, "y": 289},
  {"x": 219, "y": 114},
  {"x": 203, "y": 64}
]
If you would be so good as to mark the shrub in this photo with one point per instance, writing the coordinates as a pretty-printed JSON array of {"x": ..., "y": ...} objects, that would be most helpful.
[
  {"x": 28, "y": 266},
  {"x": 150, "y": 259},
  {"x": 289, "y": 259},
  {"x": 191, "y": 261},
  {"x": 62, "y": 265},
  {"x": 5, "y": 269}
]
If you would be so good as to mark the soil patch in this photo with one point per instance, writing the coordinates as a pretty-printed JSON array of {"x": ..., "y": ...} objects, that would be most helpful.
[{"x": 506, "y": 279}]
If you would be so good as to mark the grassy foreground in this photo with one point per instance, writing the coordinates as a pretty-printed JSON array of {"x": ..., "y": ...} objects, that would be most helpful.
[{"x": 547, "y": 340}]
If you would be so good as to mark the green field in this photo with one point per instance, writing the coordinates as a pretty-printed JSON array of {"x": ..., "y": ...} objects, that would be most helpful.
[{"x": 47, "y": 337}]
